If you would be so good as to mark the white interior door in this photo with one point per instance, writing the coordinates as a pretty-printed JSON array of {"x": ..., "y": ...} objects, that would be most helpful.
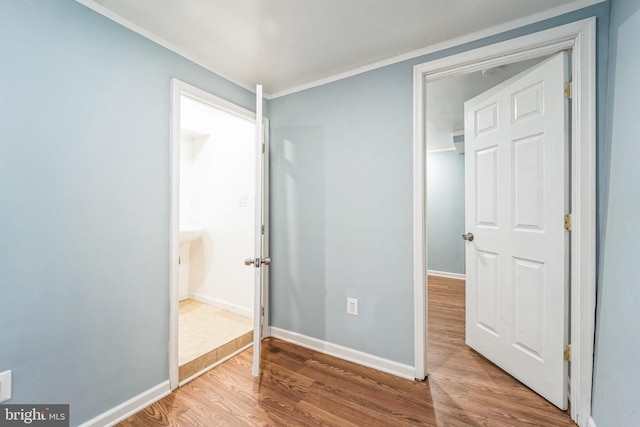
[
  {"x": 516, "y": 140},
  {"x": 259, "y": 259}
]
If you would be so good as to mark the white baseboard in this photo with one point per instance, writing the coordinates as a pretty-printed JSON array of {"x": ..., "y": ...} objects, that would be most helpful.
[
  {"x": 447, "y": 274},
  {"x": 121, "y": 412},
  {"x": 210, "y": 367},
  {"x": 242, "y": 311},
  {"x": 355, "y": 356},
  {"x": 592, "y": 423}
]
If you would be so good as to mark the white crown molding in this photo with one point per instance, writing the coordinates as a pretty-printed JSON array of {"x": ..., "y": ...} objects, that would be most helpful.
[
  {"x": 507, "y": 26},
  {"x": 250, "y": 86},
  {"x": 108, "y": 13}
]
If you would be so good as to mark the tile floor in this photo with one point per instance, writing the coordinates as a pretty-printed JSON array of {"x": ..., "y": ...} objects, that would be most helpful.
[{"x": 207, "y": 334}]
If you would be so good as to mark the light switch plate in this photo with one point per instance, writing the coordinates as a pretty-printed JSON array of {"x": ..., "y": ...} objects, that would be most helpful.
[
  {"x": 5, "y": 386},
  {"x": 352, "y": 306}
]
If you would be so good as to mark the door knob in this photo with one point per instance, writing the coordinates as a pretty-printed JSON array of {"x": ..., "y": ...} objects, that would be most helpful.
[
  {"x": 257, "y": 261},
  {"x": 468, "y": 237}
]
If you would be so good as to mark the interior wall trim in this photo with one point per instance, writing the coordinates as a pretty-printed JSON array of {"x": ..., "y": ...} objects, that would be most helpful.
[
  {"x": 123, "y": 411},
  {"x": 345, "y": 353},
  {"x": 216, "y": 302},
  {"x": 447, "y": 274}
]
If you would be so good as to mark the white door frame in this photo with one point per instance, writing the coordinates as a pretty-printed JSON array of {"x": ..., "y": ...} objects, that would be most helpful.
[
  {"x": 179, "y": 88},
  {"x": 266, "y": 329},
  {"x": 580, "y": 38}
]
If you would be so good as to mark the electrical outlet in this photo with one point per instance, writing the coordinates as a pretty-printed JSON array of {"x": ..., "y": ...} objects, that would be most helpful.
[
  {"x": 352, "y": 306},
  {"x": 5, "y": 386}
]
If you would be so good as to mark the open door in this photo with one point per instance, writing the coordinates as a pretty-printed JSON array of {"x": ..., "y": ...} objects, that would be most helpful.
[
  {"x": 516, "y": 195},
  {"x": 259, "y": 259}
]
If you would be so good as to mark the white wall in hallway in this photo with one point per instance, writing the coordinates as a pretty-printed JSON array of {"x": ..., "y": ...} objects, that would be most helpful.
[{"x": 217, "y": 192}]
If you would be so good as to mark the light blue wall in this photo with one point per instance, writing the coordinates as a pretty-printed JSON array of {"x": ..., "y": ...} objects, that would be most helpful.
[
  {"x": 445, "y": 211},
  {"x": 342, "y": 202},
  {"x": 84, "y": 191},
  {"x": 341, "y": 214},
  {"x": 616, "y": 398}
]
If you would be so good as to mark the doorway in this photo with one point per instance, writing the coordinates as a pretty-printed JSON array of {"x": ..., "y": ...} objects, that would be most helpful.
[
  {"x": 217, "y": 190},
  {"x": 514, "y": 268},
  {"x": 579, "y": 37},
  {"x": 213, "y": 193}
]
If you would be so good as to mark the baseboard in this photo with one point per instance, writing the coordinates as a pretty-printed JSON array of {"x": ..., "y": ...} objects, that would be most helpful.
[
  {"x": 130, "y": 407},
  {"x": 355, "y": 356},
  {"x": 447, "y": 274},
  {"x": 592, "y": 423},
  {"x": 242, "y": 311}
]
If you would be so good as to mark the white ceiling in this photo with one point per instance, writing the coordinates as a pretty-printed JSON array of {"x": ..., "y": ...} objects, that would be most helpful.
[
  {"x": 290, "y": 44},
  {"x": 446, "y": 98}
]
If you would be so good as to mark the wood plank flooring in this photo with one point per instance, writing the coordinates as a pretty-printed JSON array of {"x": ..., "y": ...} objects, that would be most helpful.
[{"x": 300, "y": 387}]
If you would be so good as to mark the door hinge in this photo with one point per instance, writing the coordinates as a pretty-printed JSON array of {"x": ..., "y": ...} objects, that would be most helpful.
[
  {"x": 263, "y": 229},
  {"x": 567, "y": 222},
  {"x": 263, "y": 146},
  {"x": 567, "y": 352},
  {"x": 567, "y": 90}
]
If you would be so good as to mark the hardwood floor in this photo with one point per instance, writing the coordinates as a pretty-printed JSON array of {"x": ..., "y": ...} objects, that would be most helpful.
[{"x": 300, "y": 387}]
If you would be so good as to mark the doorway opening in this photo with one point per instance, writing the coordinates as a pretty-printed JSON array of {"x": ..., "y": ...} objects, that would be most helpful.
[
  {"x": 470, "y": 325},
  {"x": 217, "y": 190},
  {"x": 213, "y": 193},
  {"x": 579, "y": 37}
]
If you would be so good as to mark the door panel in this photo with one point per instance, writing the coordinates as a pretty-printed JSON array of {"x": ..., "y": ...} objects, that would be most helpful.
[
  {"x": 487, "y": 186},
  {"x": 528, "y": 280},
  {"x": 528, "y": 183},
  {"x": 487, "y": 283},
  {"x": 515, "y": 191}
]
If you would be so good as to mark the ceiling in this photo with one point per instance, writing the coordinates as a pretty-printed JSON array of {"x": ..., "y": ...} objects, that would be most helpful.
[
  {"x": 446, "y": 98},
  {"x": 286, "y": 45}
]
